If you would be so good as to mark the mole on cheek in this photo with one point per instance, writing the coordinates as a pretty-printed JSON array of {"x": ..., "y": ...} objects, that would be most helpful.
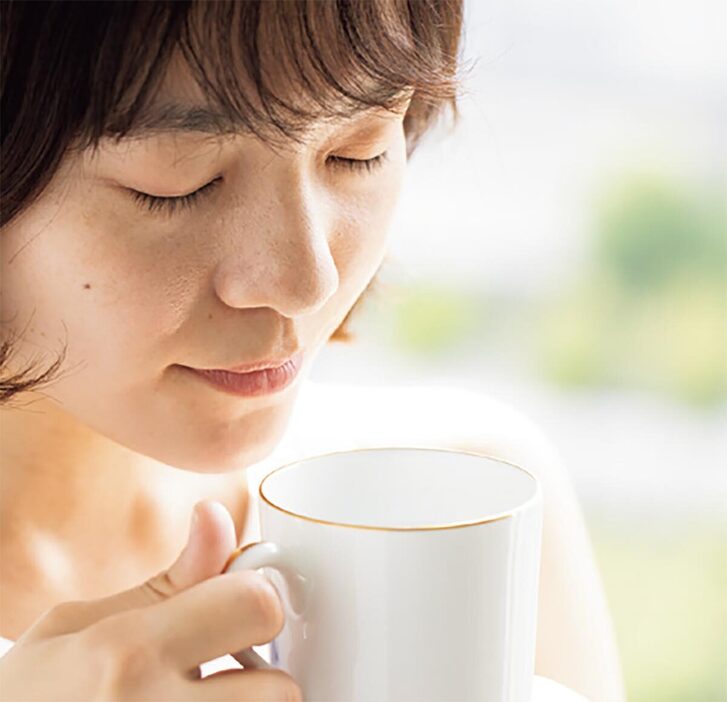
[{"x": 87, "y": 286}]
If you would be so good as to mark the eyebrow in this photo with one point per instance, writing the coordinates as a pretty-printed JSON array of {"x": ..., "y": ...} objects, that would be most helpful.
[
  {"x": 172, "y": 117},
  {"x": 176, "y": 117}
]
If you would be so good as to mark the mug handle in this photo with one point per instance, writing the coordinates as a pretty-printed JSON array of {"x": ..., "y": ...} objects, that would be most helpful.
[{"x": 261, "y": 554}]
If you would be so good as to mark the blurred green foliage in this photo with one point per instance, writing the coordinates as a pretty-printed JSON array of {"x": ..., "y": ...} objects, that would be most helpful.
[
  {"x": 652, "y": 232},
  {"x": 651, "y": 312},
  {"x": 666, "y": 594},
  {"x": 430, "y": 320}
]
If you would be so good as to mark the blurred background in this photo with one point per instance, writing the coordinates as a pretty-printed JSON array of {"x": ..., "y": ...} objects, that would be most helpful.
[{"x": 565, "y": 250}]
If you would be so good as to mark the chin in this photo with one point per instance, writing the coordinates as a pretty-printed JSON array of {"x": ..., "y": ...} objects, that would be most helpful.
[{"x": 229, "y": 446}]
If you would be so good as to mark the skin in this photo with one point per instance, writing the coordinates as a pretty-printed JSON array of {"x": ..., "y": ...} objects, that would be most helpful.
[
  {"x": 111, "y": 458},
  {"x": 268, "y": 261}
]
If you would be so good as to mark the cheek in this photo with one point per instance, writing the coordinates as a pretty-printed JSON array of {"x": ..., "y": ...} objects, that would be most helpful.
[
  {"x": 361, "y": 235},
  {"x": 109, "y": 299}
]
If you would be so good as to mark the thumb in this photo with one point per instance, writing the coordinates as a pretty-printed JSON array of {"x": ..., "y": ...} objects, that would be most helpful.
[{"x": 210, "y": 542}]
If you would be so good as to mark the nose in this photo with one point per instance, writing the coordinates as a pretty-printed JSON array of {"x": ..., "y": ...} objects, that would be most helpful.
[{"x": 279, "y": 254}]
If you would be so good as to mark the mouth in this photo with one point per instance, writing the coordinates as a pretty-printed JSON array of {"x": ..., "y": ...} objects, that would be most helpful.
[{"x": 250, "y": 380}]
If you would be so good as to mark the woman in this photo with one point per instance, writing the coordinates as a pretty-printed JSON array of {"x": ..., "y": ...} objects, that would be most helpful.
[{"x": 188, "y": 188}]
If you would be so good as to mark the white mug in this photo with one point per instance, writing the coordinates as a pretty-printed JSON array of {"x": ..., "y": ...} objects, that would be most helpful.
[{"x": 406, "y": 575}]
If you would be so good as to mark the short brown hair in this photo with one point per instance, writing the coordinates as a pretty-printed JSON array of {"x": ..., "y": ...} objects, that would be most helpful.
[{"x": 73, "y": 72}]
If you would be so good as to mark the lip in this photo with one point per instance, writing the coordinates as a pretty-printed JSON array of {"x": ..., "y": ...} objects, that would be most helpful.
[{"x": 261, "y": 378}]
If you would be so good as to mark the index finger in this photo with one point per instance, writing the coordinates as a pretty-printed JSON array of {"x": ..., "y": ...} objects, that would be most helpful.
[{"x": 220, "y": 615}]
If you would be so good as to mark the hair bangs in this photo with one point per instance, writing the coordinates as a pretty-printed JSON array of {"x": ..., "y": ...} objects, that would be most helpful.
[{"x": 274, "y": 69}]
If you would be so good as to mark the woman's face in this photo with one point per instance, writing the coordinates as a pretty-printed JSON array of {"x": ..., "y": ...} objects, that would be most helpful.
[{"x": 267, "y": 259}]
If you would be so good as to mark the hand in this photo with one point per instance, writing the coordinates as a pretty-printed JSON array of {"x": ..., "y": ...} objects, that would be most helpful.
[{"x": 147, "y": 643}]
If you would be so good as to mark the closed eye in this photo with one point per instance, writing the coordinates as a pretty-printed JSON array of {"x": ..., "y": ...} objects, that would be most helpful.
[
  {"x": 173, "y": 203},
  {"x": 360, "y": 164},
  {"x": 170, "y": 204}
]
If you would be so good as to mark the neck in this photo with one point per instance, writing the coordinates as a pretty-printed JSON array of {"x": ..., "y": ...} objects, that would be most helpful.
[{"x": 72, "y": 500}]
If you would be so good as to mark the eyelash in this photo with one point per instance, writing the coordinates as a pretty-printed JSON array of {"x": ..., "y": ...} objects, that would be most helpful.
[
  {"x": 354, "y": 164},
  {"x": 155, "y": 203}
]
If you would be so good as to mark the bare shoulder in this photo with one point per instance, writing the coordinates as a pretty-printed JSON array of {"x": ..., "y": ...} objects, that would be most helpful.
[{"x": 334, "y": 416}]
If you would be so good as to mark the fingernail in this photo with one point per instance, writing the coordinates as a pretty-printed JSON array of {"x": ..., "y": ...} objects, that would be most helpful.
[{"x": 193, "y": 522}]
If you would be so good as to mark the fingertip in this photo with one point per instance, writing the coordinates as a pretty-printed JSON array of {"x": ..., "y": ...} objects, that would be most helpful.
[
  {"x": 217, "y": 513},
  {"x": 218, "y": 532}
]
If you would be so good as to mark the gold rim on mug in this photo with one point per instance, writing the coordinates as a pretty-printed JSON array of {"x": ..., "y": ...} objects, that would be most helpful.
[{"x": 455, "y": 525}]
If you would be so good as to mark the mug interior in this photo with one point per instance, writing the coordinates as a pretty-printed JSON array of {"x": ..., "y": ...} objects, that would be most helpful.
[{"x": 400, "y": 488}]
